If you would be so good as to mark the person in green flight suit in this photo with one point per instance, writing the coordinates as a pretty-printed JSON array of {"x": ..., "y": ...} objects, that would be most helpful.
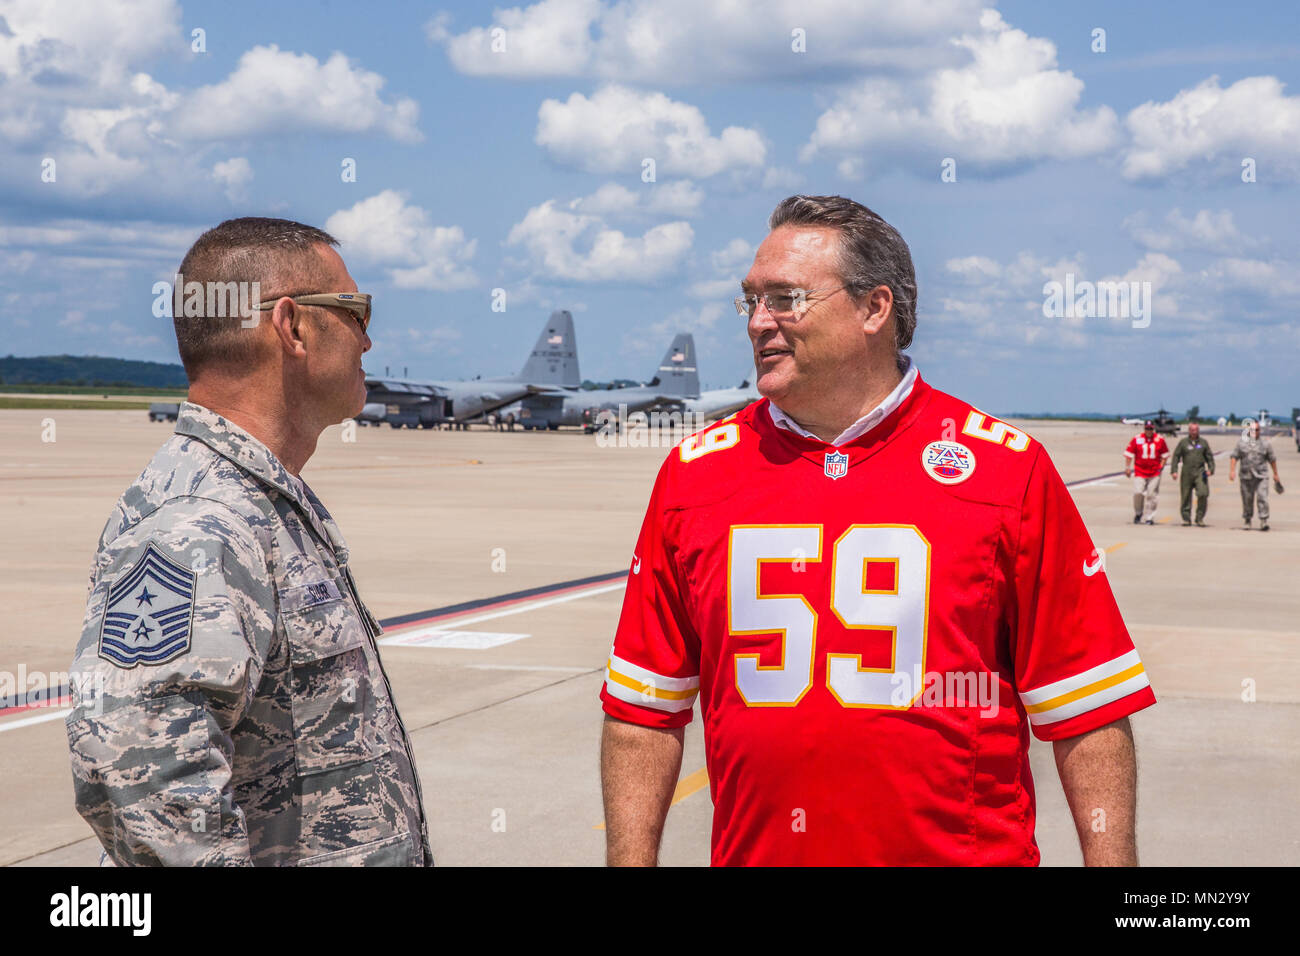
[{"x": 1193, "y": 455}]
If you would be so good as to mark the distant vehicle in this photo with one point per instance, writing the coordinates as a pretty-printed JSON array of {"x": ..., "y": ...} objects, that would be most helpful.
[
  {"x": 552, "y": 366},
  {"x": 721, "y": 402},
  {"x": 163, "y": 411},
  {"x": 1164, "y": 421},
  {"x": 675, "y": 379}
]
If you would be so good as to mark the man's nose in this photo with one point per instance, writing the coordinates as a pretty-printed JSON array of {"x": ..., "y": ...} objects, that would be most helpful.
[{"x": 761, "y": 320}]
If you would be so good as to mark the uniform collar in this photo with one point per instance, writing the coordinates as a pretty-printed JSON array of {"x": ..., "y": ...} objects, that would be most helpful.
[
  {"x": 864, "y": 424},
  {"x": 254, "y": 458}
]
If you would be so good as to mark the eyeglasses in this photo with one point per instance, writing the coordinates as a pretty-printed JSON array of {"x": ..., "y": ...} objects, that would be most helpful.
[
  {"x": 789, "y": 302},
  {"x": 358, "y": 303}
]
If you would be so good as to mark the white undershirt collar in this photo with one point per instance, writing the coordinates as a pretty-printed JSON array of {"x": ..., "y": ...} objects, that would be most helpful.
[{"x": 864, "y": 424}]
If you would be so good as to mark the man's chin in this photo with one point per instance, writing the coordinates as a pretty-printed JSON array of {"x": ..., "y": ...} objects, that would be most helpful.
[{"x": 772, "y": 385}]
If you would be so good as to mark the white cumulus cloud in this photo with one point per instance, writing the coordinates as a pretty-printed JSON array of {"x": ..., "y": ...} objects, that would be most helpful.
[
  {"x": 388, "y": 232},
  {"x": 694, "y": 41},
  {"x": 616, "y": 128},
  {"x": 1209, "y": 125},
  {"x": 581, "y": 248},
  {"x": 1008, "y": 105}
]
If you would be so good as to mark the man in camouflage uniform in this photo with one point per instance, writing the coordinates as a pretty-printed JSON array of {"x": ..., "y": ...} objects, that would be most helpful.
[
  {"x": 1256, "y": 455},
  {"x": 1197, "y": 462},
  {"x": 231, "y": 706}
]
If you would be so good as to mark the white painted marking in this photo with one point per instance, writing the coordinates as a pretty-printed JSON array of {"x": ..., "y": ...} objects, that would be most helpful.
[
  {"x": 38, "y": 719},
  {"x": 463, "y": 640},
  {"x": 517, "y": 609}
]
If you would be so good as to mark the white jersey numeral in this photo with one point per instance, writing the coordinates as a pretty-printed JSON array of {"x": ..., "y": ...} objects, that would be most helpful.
[
  {"x": 903, "y": 610},
  {"x": 999, "y": 433}
]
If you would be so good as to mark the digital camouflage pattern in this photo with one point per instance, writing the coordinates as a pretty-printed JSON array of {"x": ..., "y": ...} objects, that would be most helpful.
[
  {"x": 1253, "y": 456},
  {"x": 271, "y": 738}
]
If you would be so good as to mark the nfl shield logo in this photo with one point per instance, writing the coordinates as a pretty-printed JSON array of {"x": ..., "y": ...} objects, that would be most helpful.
[
  {"x": 149, "y": 612},
  {"x": 837, "y": 465}
]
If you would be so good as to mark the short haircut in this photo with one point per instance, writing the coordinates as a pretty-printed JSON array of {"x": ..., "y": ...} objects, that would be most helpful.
[
  {"x": 871, "y": 252},
  {"x": 278, "y": 254}
]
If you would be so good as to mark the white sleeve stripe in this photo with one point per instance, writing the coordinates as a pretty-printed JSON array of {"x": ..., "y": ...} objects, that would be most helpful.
[
  {"x": 659, "y": 681},
  {"x": 1109, "y": 669},
  {"x": 1091, "y": 702},
  {"x": 646, "y": 700}
]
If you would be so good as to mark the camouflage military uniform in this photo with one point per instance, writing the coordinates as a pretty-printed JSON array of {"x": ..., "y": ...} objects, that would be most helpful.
[
  {"x": 1254, "y": 456},
  {"x": 230, "y": 705},
  {"x": 1197, "y": 462}
]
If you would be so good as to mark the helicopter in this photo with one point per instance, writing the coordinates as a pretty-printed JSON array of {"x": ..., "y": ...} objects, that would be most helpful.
[{"x": 1164, "y": 421}]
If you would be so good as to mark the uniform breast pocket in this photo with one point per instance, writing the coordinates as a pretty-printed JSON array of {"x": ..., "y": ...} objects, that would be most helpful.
[{"x": 332, "y": 698}]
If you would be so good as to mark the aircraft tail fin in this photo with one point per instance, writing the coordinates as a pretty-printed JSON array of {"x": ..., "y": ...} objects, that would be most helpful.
[
  {"x": 677, "y": 374},
  {"x": 554, "y": 359}
]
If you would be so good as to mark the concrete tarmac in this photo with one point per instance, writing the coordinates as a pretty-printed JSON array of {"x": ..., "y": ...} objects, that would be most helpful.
[{"x": 506, "y": 735}]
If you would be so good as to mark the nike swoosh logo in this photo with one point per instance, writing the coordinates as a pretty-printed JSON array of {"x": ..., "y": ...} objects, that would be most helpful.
[
  {"x": 1090, "y": 569},
  {"x": 636, "y": 564}
]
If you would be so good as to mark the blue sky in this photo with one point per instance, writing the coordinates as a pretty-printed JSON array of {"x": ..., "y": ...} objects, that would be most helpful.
[{"x": 521, "y": 170}]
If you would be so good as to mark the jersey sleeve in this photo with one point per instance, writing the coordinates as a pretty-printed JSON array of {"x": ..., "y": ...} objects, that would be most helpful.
[
  {"x": 1076, "y": 668},
  {"x": 1131, "y": 450},
  {"x": 653, "y": 674},
  {"x": 173, "y": 645}
]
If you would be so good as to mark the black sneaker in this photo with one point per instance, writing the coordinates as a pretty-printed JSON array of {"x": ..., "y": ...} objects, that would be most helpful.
[
  {"x": 1149, "y": 521},
  {"x": 1137, "y": 519},
  {"x": 1263, "y": 527}
]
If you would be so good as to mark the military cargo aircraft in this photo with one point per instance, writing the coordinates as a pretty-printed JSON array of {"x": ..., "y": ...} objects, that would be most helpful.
[
  {"x": 720, "y": 402},
  {"x": 675, "y": 380},
  {"x": 553, "y": 365}
]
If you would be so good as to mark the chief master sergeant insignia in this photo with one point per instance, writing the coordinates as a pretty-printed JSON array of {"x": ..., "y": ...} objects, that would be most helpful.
[{"x": 149, "y": 612}]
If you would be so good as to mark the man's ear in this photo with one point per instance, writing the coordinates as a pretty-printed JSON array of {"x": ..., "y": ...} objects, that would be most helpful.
[
  {"x": 876, "y": 308},
  {"x": 286, "y": 321}
]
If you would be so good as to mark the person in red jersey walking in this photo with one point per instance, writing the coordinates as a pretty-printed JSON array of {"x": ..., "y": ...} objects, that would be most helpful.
[
  {"x": 875, "y": 592},
  {"x": 1144, "y": 461}
]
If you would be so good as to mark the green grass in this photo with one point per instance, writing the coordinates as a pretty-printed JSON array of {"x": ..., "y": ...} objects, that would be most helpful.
[
  {"x": 89, "y": 390},
  {"x": 64, "y": 404}
]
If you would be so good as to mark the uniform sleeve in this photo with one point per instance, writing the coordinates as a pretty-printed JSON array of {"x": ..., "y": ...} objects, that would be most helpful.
[
  {"x": 1076, "y": 668},
  {"x": 1209, "y": 457},
  {"x": 653, "y": 674},
  {"x": 1236, "y": 451},
  {"x": 1131, "y": 450},
  {"x": 178, "y": 626}
]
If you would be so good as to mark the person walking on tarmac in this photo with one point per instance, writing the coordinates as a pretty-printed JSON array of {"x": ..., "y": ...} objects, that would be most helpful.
[
  {"x": 1145, "y": 455},
  {"x": 1193, "y": 455},
  {"x": 1255, "y": 453}
]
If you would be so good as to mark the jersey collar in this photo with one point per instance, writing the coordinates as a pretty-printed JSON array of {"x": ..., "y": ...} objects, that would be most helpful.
[{"x": 864, "y": 424}]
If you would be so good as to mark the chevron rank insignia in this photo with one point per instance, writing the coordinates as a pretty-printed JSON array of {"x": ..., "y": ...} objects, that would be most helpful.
[{"x": 150, "y": 611}]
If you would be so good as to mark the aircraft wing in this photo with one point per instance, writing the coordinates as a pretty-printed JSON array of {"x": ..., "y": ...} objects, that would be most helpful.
[{"x": 409, "y": 391}]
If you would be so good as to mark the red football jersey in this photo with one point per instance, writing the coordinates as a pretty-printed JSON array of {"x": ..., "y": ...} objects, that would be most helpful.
[
  {"x": 1146, "y": 455},
  {"x": 871, "y": 632}
]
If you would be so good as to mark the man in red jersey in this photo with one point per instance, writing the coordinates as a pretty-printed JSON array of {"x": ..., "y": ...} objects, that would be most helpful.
[
  {"x": 875, "y": 591},
  {"x": 1145, "y": 455}
]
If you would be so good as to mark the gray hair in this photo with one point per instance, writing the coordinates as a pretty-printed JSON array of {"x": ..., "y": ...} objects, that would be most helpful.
[{"x": 871, "y": 252}]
